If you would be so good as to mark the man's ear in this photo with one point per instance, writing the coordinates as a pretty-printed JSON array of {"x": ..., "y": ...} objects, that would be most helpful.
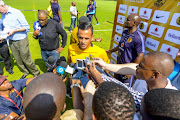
[
  {"x": 92, "y": 38},
  {"x": 64, "y": 107},
  {"x": 156, "y": 74}
]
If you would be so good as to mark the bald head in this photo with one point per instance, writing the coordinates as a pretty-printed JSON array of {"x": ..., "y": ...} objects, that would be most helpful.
[
  {"x": 136, "y": 18},
  {"x": 162, "y": 62},
  {"x": 42, "y": 12},
  {"x": 44, "y": 97}
]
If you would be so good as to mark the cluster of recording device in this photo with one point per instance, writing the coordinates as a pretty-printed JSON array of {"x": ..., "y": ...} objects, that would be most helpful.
[{"x": 75, "y": 70}]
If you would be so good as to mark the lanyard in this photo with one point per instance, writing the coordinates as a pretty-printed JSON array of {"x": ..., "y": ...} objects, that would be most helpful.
[{"x": 7, "y": 98}]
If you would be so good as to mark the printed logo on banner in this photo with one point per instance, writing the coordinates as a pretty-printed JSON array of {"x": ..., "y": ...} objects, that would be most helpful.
[
  {"x": 114, "y": 45},
  {"x": 173, "y": 36},
  {"x": 111, "y": 73},
  {"x": 143, "y": 26},
  {"x": 169, "y": 49},
  {"x": 175, "y": 20},
  {"x": 145, "y": 13},
  {"x": 119, "y": 29},
  {"x": 132, "y": 9},
  {"x": 117, "y": 38},
  {"x": 159, "y": 3},
  {"x": 122, "y": 8},
  {"x": 161, "y": 16},
  {"x": 112, "y": 61},
  {"x": 120, "y": 19},
  {"x": 114, "y": 56},
  {"x": 156, "y": 30},
  {"x": 152, "y": 44}
]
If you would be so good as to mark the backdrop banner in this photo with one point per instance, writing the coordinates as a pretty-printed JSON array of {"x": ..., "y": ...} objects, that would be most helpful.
[{"x": 160, "y": 24}]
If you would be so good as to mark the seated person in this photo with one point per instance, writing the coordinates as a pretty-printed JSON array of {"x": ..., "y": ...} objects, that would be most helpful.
[
  {"x": 84, "y": 48},
  {"x": 74, "y": 38},
  {"x": 11, "y": 95},
  {"x": 44, "y": 99},
  {"x": 161, "y": 104}
]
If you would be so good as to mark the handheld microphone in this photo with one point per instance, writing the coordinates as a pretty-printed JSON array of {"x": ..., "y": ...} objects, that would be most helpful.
[
  {"x": 69, "y": 70},
  {"x": 61, "y": 68},
  {"x": 51, "y": 63}
]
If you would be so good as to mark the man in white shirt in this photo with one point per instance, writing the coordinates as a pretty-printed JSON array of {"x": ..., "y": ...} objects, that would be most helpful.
[{"x": 73, "y": 12}]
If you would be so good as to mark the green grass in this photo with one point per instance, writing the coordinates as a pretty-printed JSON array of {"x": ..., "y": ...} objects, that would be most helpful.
[{"x": 105, "y": 12}]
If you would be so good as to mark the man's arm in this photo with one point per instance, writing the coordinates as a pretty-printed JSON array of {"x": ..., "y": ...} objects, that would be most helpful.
[
  {"x": 124, "y": 69},
  {"x": 59, "y": 13},
  {"x": 112, "y": 50},
  {"x": 29, "y": 80},
  {"x": 139, "y": 58}
]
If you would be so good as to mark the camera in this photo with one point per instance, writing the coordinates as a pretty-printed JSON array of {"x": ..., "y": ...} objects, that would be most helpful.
[{"x": 81, "y": 63}]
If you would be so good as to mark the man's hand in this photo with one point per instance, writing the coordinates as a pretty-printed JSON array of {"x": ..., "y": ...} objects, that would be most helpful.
[
  {"x": 59, "y": 49},
  {"x": 87, "y": 13},
  {"x": 60, "y": 22},
  {"x": 90, "y": 88},
  {"x": 108, "y": 52},
  {"x": 99, "y": 39},
  {"x": 36, "y": 32},
  {"x": 11, "y": 32},
  {"x": 99, "y": 62}
]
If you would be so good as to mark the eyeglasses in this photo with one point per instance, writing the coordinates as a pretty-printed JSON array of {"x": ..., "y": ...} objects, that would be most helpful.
[{"x": 141, "y": 67}]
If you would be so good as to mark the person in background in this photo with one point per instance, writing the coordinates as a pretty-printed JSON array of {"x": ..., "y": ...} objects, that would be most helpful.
[
  {"x": 95, "y": 6},
  {"x": 49, "y": 10},
  {"x": 4, "y": 51},
  {"x": 18, "y": 40},
  {"x": 73, "y": 12},
  {"x": 90, "y": 11},
  {"x": 56, "y": 10}
]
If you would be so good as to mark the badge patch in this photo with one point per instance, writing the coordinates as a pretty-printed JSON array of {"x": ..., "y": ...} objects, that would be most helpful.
[
  {"x": 159, "y": 3},
  {"x": 129, "y": 40},
  {"x": 178, "y": 20}
]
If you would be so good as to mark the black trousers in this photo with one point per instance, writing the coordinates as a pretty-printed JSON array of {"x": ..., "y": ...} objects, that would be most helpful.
[{"x": 4, "y": 52}]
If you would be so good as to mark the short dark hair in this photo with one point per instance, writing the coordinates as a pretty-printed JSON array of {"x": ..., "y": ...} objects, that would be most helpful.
[
  {"x": 162, "y": 104},
  {"x": 44, "y": 97},
  {"x": 113, "y": 102},
  {"x": 86, "y": 26}
]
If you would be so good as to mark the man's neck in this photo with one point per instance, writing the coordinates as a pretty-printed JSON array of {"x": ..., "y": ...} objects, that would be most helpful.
[
  {"x": 131, "y": 30},
  {"x": 157, "y": 84},
  {"x": 5, "y": 93}
]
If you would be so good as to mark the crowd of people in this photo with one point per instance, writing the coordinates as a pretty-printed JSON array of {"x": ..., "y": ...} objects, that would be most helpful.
[{"x": 145, "y": 86}]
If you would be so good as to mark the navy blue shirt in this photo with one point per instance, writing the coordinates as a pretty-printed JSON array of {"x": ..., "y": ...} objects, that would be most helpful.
[
  {"x": 6, "y": 107},
  {"x": 129, "y": 46},
  {"x": 55, "y": 8},
  {"x": 90, "y": 8}
]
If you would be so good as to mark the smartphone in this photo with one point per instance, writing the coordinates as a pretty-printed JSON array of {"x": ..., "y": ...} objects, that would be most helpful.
[{"x": 80, "y": 64}]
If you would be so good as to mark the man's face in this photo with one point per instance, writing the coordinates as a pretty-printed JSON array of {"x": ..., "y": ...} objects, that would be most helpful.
[
  {"x": 42, "y": 19},
  {"x": 90, "y": 2},
  {"x": 6, "y": 85},
  {"x": 129, "y": 22},
  {"x": 3, "y": 9},
  {"x": 85, "y": 37},
  {"x": 144, "y": 70}
]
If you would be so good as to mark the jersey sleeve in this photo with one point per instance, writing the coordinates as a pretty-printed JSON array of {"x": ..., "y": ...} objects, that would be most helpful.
[
  {"x": 21, "y": 83},
  {"x": 140, "y": 45}
]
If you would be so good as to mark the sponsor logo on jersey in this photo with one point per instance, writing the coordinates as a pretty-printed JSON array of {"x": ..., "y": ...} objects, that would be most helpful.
[
  {"x": 159, "y": 3},
  {"x": 129, "y": 40}
]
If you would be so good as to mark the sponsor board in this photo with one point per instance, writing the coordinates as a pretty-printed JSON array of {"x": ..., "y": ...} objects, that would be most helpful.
[
  {"x": 173, "y": 36},
  {"x": 175, "y": 21},
  {"x": 120, "y": 19},
  {"x": 143, "y": 26},
  {"x": 145, "y": 13},
  {"x": 119, "y": 29},
  {"x": 159, "y": 3},
  {"x": 111, "y": 73},
  {"x": 114, "y": 56},
  {"x": 146, "y": 52},
  {"x": 161, "y": 16},
  {"x": 117, "y": 38},
  {"x": 132, "y": 9},
  {"x": 122, "y": 8},
  {"x": 152, "y": 44},
  {"x": 112, "y": 61},
  {"x": 170, "y": 50},
  {"x": 114, "y": 45},
  {"x": 156, "y": 30}
]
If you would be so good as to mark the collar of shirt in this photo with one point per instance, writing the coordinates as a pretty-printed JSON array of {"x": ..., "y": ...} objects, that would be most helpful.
[{"x": 10, "y": 10}]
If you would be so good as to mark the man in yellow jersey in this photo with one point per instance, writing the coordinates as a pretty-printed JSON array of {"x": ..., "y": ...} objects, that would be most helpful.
[
  {"x": 84, "y": 48},
  {"x": 49, "y": 10},
  {"x": 74, "y": 38}
]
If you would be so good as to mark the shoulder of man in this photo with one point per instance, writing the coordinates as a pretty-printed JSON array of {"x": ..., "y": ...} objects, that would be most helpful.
[{"x": 73, "y": 46}]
